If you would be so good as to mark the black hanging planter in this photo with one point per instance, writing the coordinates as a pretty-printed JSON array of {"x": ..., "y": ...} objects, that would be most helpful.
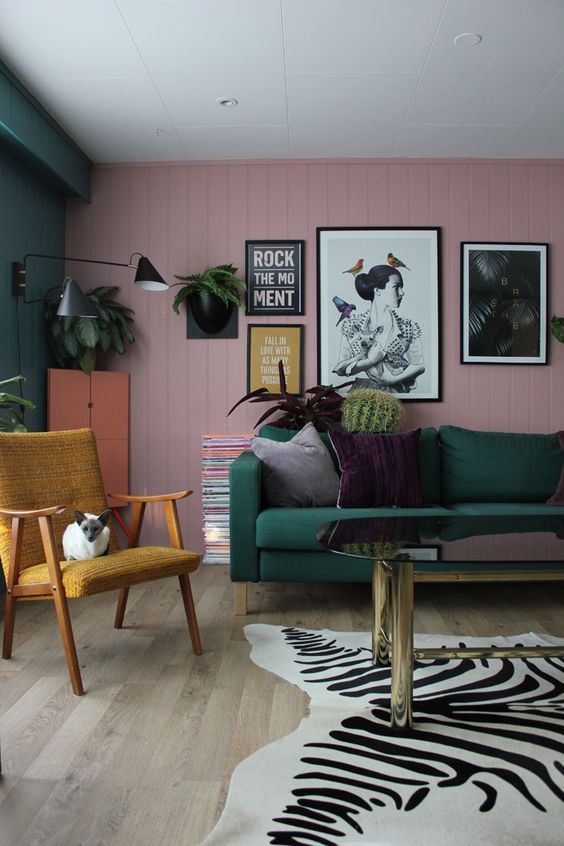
[
  {"x": 210, "y": 313},
  {"x": 209, "y": 317}
]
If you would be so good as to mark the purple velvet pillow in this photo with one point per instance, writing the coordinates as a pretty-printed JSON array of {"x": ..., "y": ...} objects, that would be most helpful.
[
  {"x": 557, "y": 498},
  {"x": 378, "y": 469}
]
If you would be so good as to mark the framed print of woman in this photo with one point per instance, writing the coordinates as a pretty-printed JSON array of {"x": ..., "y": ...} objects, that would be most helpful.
[
  {"x": 378, "y": 318},
  {"x": 384, "y": 349}
]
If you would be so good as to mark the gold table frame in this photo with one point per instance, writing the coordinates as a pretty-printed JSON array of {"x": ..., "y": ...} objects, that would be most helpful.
[{"x": 392, "y": 630}]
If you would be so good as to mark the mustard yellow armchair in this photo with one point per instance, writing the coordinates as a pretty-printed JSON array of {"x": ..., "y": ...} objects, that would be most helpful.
[{"x": 43, "y": 476}]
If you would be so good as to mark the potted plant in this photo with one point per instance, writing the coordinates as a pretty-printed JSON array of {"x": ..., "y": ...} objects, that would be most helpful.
[
  {"x": 11, "y": 418},
  {"x": 557, "y": 328},
  {"x": 320, "y": 405},
  {"x": 371, "y": 410},
  {"x": 76, "y": 340},
  {"x": 213, "y": 294}
]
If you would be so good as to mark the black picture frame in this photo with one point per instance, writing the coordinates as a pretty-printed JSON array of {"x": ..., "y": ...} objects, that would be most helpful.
[
  {"x": 349, "y": 344},
  {"x": 267, "y": 344},
  {"x": 274, "y": 276},
  {"x": 504, "y": 302}
]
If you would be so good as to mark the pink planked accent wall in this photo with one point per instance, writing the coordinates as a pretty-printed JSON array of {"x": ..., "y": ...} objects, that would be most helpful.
[{"x": 185, "y": 215}]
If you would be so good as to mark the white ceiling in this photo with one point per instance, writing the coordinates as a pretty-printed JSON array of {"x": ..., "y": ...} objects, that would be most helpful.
[{"x": 139, "y": 80}]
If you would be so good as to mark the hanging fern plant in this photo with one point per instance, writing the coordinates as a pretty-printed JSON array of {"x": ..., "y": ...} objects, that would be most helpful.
[{"x": 221, "y": 281}]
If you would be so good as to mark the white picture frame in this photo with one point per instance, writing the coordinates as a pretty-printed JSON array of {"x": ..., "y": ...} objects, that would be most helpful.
[{"x": 404, "y": 358}]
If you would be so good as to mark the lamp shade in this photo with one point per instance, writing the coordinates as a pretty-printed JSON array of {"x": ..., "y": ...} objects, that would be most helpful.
[
  {"x": 74, "y": 302},
  {"x": 147, "y": 278}
]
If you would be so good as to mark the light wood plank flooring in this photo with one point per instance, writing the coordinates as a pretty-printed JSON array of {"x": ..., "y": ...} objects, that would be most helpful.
[{"x": 146, "y": 755}]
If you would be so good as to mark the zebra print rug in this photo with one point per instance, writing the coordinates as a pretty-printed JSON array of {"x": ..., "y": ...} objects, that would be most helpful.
[{"x": 483, "y": 765}]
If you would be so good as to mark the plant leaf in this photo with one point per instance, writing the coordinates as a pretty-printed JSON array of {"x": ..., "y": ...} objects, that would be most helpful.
[
  {"x": 87, "y": 360},
  {"x": 557, "y": 328},
  {"x": 87, "y": 332}
]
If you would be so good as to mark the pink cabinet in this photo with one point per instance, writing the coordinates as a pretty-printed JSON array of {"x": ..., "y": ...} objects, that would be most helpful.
[{"x": 99, "y": 401}]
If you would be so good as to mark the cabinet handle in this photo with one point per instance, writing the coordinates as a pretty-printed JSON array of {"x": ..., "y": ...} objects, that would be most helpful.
[{"x": 90, "y": 405}]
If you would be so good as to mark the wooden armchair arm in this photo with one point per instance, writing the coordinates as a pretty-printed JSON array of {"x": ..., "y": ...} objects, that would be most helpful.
[
  {"x": 39, "y": 512},
  {"x": 44, "y": 517},
  {"x": 171, "y": 514},
  {"x": 157, "y": 498}
]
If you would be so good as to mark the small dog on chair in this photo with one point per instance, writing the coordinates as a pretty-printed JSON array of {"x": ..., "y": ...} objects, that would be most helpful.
[{"x": 87, "y": 537}]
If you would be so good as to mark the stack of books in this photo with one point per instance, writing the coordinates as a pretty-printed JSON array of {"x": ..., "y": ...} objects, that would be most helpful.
[{"x": 218, "y": 452}]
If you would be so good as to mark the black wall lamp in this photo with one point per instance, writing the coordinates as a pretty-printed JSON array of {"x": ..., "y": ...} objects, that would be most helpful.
[{"x": 73, "y": 301}]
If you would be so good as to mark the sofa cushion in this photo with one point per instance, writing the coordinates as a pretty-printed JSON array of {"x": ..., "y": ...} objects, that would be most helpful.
[
  {"x": 299, "y": 472},
  {"x": 295, "y": 528},
  {"x": 506, "y": 509},
  {"x": 428, "y": 452},
  {"x": 498, "y": 466},
  {"x": 282, "y": 436},
  {"x": 378, "y": 470}
]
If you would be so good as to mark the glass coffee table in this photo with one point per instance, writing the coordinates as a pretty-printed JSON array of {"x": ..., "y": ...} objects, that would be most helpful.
[{"x": 516, "y": 547}]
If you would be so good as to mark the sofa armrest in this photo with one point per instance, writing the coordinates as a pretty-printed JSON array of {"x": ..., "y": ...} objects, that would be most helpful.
[{"x": 245, "y": 476}]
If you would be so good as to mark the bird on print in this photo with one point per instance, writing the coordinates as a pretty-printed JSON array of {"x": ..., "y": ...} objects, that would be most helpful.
[
  {"x": 356, "y": 268},
  {"x": 396, "y": 262},
  {"x": 346, "y": 309}
]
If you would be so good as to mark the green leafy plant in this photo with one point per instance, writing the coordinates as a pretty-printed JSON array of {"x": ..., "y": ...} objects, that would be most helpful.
[
  {"x": 320, "y": 405},
  {"x": 557, "y": 328},
  {"x": 77, "y": 339},
  {"x": 371, "y": 410},
  {"x": 11, "y": 418},
  {"x": 222, "y": 281}
]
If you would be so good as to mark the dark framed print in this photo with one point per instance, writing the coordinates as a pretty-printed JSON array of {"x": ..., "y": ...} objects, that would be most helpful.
[
  {"x": 379, "y": 309},
  {"x": 504, "y": 303},
  {"x": 266, "y": 346},
  {"x": 274, "y": 273}
]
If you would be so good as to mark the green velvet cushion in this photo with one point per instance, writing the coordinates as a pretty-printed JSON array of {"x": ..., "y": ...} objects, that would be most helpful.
[
  {"x": 498, "y": 466},
  {"x": 428, "y": 452}
]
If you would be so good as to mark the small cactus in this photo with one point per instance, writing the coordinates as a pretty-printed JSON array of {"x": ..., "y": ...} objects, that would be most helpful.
[{"x": 370, "y": 410}]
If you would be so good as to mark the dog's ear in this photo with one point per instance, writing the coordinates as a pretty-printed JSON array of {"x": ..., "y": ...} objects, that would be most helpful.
[
  {"x": 80, "y": 517},
  {"x": 105, "y": 516}
]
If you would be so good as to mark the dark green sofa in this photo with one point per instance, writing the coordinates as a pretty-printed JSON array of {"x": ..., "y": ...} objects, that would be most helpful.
[{"x": 462, "y": 471}]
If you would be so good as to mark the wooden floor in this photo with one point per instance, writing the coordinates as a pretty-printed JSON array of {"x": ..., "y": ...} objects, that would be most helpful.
[{"x": 145, "y": 757}]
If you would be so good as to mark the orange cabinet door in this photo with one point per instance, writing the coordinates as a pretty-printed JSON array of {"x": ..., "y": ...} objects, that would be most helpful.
[
  {"x": 68, "y": 400},
  {"x": 99, "y": 401}
]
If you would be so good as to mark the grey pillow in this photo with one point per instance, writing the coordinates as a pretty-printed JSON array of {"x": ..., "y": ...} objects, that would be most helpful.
[{"x": 298, "y": 473}]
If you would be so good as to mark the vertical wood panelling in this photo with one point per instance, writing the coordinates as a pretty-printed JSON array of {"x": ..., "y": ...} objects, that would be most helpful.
[
  {"x": 186, "y": 216},
  {"x": 555, "y": 201}
]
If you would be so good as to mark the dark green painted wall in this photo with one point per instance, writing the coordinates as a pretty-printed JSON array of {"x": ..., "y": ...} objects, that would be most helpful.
[
  {"x": 30, "y": 132},
  {"x": 32, "y": 219},
  {"x": 39, "y": 167}
]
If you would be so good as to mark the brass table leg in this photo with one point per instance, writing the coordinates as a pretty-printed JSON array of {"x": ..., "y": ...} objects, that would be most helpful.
[
  {"x": 381, "y": 613},
  {"x": 402, "y": 645}
]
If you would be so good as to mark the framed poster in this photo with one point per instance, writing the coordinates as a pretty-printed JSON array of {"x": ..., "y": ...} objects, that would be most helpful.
[
  {"x": 504, "y": 303},
  {"x": 266, "y": 346},
  {"x": 378, "y": 309},
  {"x": 274, "y": 273}
]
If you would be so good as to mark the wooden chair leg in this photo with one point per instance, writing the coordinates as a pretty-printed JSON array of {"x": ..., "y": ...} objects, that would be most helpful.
[
  {"x": 63, "y": 617},
  {"x": 120, "y": 610},
  {"x": 9, "y": 620},
  {"x": 188, "y": 601},
  {"x": 240, "y": 589}
]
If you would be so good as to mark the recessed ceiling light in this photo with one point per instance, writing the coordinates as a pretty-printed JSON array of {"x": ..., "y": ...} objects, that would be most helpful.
[
  {"x": 467, "y": 39},
  {"x": 227, "y": 101}
]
